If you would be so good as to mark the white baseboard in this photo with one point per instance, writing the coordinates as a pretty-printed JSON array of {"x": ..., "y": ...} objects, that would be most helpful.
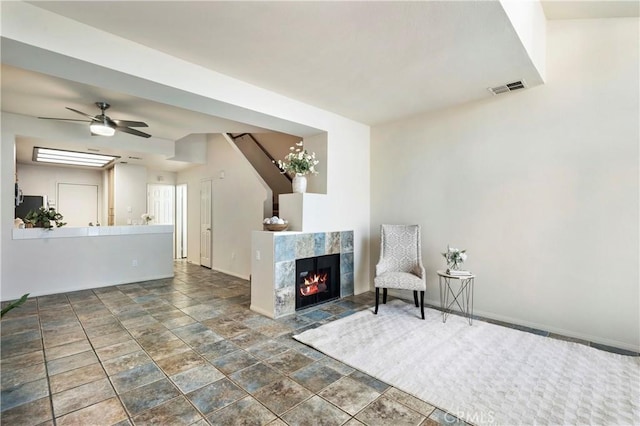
[{"x": 233, "y": 274}]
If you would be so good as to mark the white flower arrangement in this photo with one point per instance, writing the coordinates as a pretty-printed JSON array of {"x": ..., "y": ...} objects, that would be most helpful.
[
  {"x": 147, "y": 218},
  {"x": 454, "y": 257},
  {"x": 299, "y": 161}
]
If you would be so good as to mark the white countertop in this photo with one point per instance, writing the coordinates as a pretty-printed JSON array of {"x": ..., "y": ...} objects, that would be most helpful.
[{"x": 90, "y": 231}]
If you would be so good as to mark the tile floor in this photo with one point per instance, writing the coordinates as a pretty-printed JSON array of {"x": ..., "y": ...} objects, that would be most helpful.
[{"x": 185, "y": 351}]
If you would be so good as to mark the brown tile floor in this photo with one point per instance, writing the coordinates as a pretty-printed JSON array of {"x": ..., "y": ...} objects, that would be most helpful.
[{"x": 185, "y": 351}]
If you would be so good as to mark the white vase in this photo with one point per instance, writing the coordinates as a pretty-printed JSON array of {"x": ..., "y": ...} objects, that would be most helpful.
[{"x": 299, "y": 183}]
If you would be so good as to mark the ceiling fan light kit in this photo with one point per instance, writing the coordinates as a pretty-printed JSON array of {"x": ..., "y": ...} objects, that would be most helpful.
[
  {"x": 103, "y": 125},
  {"x": 102, "y": 128}
]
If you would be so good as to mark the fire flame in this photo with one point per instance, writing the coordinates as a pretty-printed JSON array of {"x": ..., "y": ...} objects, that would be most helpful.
[{"x": 313, "y": 284}]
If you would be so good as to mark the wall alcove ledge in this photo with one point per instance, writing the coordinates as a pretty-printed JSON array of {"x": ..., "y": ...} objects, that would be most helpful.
[{"x": 305, "y": 212}]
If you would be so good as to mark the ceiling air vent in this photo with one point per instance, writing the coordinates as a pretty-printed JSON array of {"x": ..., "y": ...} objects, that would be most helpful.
[{"x": 509, "y": 87}]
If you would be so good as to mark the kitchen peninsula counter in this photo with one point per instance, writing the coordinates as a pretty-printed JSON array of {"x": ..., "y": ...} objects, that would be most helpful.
[{"x": 83, "y": 258}]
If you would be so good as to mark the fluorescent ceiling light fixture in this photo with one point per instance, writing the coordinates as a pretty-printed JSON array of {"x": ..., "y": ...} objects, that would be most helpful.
[
  {"x": 104, "y": 127},
  {"x": 73, "y": 158}
]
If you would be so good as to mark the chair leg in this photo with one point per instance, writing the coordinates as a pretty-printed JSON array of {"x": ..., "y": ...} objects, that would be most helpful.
[
  {"x": 422, "y": 303},
  {"x": 384, "y": 296},
  {"x": 415, "y": 297},
  {"x": 377, "y": 295}
]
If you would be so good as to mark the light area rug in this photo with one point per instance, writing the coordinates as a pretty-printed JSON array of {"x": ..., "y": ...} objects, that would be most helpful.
[{"x": 485, "y": 374}]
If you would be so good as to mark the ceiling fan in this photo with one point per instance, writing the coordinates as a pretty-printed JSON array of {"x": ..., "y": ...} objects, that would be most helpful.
[{"x": 103, "y": 125}]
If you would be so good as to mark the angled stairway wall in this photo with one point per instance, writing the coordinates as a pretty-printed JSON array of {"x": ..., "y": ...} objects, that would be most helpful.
[{"x": 260, "y": 150}]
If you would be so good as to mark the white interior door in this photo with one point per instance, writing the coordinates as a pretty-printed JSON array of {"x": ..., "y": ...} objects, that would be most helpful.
[
  {"x": 181, "y": 221},
  {"x": 205, "y": 223},
  {"x": 160, "y": 203},
  {"x": 78, "y": 204}
]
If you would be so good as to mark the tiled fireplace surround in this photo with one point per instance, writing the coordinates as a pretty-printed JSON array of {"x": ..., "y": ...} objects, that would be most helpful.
[{"x": 273, "y": 282}]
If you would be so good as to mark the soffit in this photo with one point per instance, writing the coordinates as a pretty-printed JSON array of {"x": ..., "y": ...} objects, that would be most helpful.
[{"x": 590, "y": 9}]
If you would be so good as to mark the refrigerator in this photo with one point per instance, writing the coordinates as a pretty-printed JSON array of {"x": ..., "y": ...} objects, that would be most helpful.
[{"x": 30, "y": 202}]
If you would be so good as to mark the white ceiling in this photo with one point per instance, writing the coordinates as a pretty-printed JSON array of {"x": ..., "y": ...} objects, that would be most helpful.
[
  {"x": 369, "y": 61},
  {"x": 373, "y": 62}
]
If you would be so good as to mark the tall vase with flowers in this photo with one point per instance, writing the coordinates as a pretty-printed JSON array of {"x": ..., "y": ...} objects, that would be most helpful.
[{"x": 300, "y": 163}]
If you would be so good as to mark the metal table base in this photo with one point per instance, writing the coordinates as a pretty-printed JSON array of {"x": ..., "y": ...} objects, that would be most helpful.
[{"x": 463, "y": 297}]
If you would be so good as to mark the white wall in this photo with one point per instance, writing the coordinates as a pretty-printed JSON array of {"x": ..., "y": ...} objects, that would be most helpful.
[
  {"x": 162, "y": 177},
  {"x": 44, "y": 180},
  {"x": 348, "y": 190},
  {"x": 529, "y": 22},
  {"x": 237, "y": 205},
  {"x": 319, "y": 145},
  {"x": 58, "y": 264},
  {"x": 130, "y": 193},
  {"x": 191, "y": 148},
  {"x": 540, "y": 186}
]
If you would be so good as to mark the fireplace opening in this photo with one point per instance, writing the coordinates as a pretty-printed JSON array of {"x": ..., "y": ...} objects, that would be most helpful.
[{"x": 318, "y": 280}]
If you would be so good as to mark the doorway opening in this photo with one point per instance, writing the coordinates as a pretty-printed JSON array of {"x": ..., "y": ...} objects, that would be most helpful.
[
  {"x": 206, "y": 219},
  {"x": 181, "y": 221}
]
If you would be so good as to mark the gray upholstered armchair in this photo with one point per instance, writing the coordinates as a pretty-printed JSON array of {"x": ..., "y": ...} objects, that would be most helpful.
[{"x": 400, "y": 264}]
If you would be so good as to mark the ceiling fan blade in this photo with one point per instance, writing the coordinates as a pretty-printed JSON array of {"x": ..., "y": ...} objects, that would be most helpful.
[
  {"x": 82, "y": 113},
  {"x": 127, "y": 123},
  {"x": 133, "y": 132},
  {"x": 64, "y": 119}
]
